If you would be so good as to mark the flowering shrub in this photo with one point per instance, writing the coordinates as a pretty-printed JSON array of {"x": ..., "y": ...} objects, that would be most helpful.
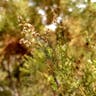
[{"x": 47, "y": 48}]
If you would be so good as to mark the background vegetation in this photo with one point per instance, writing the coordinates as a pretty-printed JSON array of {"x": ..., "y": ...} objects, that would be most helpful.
[{"x": 47, "y": 48}]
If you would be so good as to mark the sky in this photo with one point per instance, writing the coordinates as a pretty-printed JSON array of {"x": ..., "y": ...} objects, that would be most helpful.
[{"x": 93, "y": 0}]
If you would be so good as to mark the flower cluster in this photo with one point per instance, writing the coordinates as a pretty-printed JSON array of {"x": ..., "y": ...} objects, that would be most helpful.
[{"x": 31, "y": 38}]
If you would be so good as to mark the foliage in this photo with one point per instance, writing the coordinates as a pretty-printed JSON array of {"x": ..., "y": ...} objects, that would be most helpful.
[{"x": 36, "y": 60}]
